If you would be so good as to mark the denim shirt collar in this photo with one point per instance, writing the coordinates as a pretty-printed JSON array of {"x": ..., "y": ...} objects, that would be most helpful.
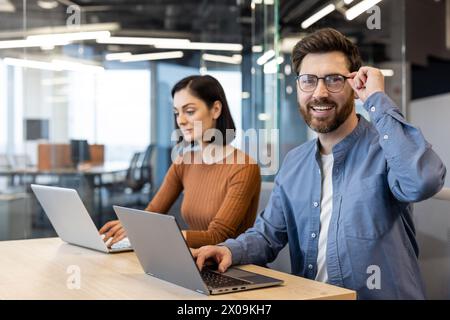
[{"x": 340, "y": 149}]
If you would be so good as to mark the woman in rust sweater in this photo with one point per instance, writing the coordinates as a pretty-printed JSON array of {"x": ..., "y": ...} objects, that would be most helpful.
[{"x": 221, "y": 184}]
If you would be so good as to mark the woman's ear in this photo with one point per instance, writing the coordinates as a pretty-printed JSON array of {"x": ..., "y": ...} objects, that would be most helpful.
[{"x": 216, "y": 109}]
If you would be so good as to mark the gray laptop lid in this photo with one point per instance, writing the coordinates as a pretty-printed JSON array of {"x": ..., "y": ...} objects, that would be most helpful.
[
  {"x": 161, "y": 248},
  {"x": 69, "y": 216}
]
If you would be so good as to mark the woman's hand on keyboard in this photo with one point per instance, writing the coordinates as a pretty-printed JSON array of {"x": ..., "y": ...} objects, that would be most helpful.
[{"x": 113, "y": 229}]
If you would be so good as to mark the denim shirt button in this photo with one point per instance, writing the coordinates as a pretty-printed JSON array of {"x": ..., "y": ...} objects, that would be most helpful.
[
  {"x": 313, "y": 235},
  {"x": 315, "y": 204},
  {"x": 310, "y": 266}
]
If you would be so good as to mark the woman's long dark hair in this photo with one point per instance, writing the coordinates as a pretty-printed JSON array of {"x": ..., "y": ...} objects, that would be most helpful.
[{"x": 209, "y": 90}]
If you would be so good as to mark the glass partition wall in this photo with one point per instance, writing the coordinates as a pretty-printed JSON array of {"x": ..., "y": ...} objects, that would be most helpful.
[
  {"x": 102, "y": 73},
  {"x": 265, "y": 85},
  {"x": 379, "y": 32},
  {"x": 85, "y": 96}
]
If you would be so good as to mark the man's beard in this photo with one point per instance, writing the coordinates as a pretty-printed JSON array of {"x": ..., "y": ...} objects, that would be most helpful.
[{"x": 327, "y": 124}]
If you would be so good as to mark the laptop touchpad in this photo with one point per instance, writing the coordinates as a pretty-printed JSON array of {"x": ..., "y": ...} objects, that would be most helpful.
[
  {"x": 237, "y": 273},
  {"x": 248, "y": 276},
  {"x": 256, "y": 278}
]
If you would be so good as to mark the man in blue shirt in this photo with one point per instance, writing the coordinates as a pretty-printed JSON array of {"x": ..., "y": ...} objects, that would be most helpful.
[{"x": 343, "y": 201}]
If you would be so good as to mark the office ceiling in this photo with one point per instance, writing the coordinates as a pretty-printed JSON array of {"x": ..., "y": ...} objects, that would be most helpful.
[
  {"x": 205, "y": 20},
  {"x": 375, "y": 44},
  {"x": 228, "y": 21}
]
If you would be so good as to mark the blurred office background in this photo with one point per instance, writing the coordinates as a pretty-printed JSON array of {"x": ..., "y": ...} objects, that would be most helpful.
[{"x": 85, "y": 94}]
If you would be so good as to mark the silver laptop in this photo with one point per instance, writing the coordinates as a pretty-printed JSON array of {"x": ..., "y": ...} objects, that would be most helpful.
[
  {"x": 163, "y": 253},
  {"x": 71, "y": 220}
]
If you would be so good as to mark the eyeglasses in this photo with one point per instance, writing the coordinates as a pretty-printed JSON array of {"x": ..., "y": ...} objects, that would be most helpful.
[{"x": 334, "y": 82}]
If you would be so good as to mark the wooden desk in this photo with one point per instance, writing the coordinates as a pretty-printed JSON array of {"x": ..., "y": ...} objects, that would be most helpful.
[
  {"x": 37, "y": 269},
  {"x": 58, "y": 155}
]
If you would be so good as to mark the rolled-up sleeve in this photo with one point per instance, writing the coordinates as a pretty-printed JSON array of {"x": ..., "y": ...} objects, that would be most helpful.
[
  {"x": 415, "y": 171},
  {"x": 262, "y": 243}
]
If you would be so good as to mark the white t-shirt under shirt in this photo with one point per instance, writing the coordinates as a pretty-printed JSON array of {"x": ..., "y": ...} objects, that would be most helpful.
[{"x": 326, "y": 206}]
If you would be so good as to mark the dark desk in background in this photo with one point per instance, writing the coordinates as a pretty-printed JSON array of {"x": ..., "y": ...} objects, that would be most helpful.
[{"x": 89, "y": 181}]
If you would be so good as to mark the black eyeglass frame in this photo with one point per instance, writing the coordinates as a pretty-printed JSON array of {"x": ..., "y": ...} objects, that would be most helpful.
[{"x": 297, "y": 78}]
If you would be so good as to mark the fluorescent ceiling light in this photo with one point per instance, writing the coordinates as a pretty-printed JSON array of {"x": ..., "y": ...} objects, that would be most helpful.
[
  {"x": 48, "y": 47},
  {"x": 361, "y": 7},
  {"x": 264, "y": 116},
  {"x": 141, "y": 41},
  {"x": 170, "y": 43},
  {"x": 235, "y": 59},
  {"x": 153, "y": 56},
  {"x": 117, "y": 56},
  {"x": 387, "y": 72},
  {"x": 51, "y": 40},
  {"x": 9, "y": 44},
  {"x": 288, "y": 44},
  {"x": 70, "y": 36},
  {"x": 318, "y": 15},
  {"x": 47, "y": 4},
  {"x": 31, "y": 64},
  {"x": 202, "y": 46},
  {"x": 12, "y": 44},
  {"x": 265, "y": 57},
  {"x": 6, "y": 6},
  {"x": 59, "y": 29},
  {"x": 279, "y": 60},
  {"x": 55, "y": 65},
  {"x": 257, "y": 48},
  {"x": 287, "y": 69},
  {"x": 272, "y": 65}
]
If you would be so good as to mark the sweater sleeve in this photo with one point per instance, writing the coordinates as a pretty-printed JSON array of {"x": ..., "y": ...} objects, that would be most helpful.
[
  {"x": 168, "y": 192},
  {"x": 243, "y": 186}
]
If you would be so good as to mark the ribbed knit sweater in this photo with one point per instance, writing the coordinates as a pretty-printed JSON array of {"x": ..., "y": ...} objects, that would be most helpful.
[{"x": 220, "y": 200}]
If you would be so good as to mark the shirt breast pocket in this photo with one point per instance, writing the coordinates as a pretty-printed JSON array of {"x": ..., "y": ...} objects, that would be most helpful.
[{"x": 366, "y": 209}]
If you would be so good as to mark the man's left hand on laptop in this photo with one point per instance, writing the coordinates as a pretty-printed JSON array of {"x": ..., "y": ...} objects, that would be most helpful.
[{"x": 220, "y": 254}]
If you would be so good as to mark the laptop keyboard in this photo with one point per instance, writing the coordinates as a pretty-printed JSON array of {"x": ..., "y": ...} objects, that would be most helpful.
[
  {"x": 122, "y": 244},
  {"x": 217, "y": 280}
]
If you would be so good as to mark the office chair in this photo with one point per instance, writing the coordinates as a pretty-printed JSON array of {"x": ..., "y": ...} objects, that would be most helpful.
[
  {"x": 5, "y": 162},
  {"x": 133, "y": 177},
  {"x": 137, "y": 187},
  {"x": 146, "y": 168}
]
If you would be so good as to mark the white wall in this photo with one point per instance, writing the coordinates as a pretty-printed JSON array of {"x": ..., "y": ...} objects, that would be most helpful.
[
  {"x": 432, "y": 116},
  {"x": 432, "y": 217}
]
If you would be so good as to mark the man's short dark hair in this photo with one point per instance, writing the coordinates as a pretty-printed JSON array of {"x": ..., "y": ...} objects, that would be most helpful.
[{"x": 323, "y": 41}]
